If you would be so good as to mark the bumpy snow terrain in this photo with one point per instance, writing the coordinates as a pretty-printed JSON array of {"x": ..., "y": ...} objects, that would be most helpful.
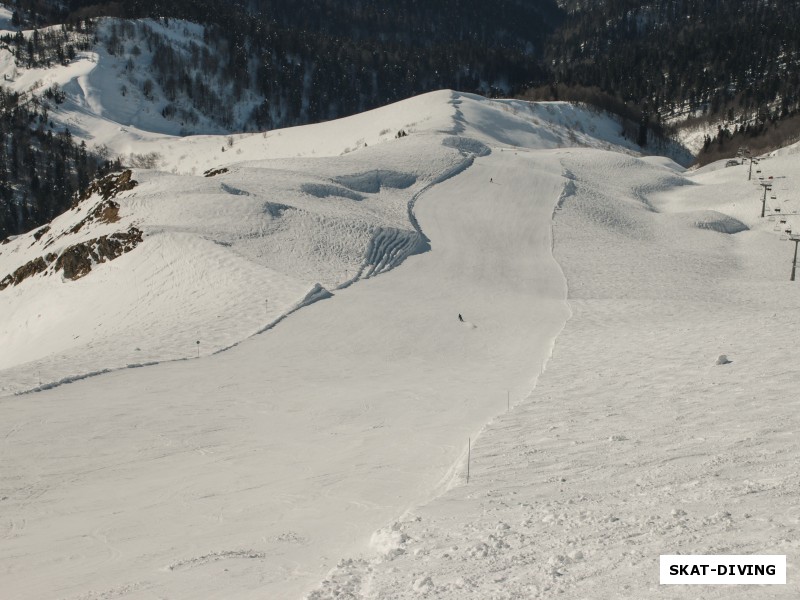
[{"x": 317, "y": 448}]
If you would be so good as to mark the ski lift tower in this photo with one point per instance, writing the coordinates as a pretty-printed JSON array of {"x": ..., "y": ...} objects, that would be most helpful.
[
  {"x": 767, "y": 187},
  {"x": 750, "y": 173},
  {"x": 796, "y": 239}
]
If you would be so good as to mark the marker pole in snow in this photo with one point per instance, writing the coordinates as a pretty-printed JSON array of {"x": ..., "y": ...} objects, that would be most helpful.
[
  {"x": 198, "y": 348},
  {"x": 469, "y": 455},
  {"x": 796, "y": 240},
  {"x": 508, "y": 401},
  {"x": 266, "y": 306}
]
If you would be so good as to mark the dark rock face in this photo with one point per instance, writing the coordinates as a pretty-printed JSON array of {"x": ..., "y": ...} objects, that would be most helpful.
[
  {"x": 37, "y": 265},
  {"x": 105, "y": 212},
  {"x": 38, "y": 235},
  {"x": 76, "y": 261},
  {"x": 108, "y": 187}
]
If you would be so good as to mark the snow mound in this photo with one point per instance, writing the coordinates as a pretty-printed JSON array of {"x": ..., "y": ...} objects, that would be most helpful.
[
  {"x": 325, "y": 190},
  {"x": 275, "y": 209},
  {"x": 371, "y": 182},
  {"x": 713, "y": 221},
  {"x": 467, "y": 145},
  {"x": 389, "y": 542},
  {"x": 316, "y": 294},
  {"x": 233, "y": 191},
  {"x": 389, "y": 247}
]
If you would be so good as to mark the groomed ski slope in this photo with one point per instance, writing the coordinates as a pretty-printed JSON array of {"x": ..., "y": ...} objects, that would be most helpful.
[
  {"x": 249, "y": 473},
  {"x": 634, "y": 442}
]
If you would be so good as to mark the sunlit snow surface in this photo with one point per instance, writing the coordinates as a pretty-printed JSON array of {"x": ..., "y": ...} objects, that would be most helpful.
[{"x": 326, "y": 457}]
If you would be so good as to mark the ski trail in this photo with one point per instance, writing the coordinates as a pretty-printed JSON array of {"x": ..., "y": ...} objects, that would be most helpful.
[{"x": 548, "y": 288}]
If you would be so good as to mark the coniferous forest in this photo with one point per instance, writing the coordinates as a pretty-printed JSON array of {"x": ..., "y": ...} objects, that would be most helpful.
[
  {"x": 656, "y": 62},
  {"x": 40, "y": 169}
]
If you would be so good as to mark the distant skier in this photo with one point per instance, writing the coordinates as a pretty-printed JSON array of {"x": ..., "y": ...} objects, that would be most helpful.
[
  {"x": 460, "y": 318},
  {"x": 491, "y": 180}
]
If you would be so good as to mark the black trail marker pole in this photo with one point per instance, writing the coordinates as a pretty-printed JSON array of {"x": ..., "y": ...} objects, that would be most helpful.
[
  {"x": 198, "y": 348},
  {"x": 794, "y": 239}
]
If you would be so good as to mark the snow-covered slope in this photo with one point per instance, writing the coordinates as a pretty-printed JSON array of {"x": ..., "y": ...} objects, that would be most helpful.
[
  {"x": 230, "y": 250},
  {"x": 666, "y": 421},
  {"x": 111, "y": 82},
  {"x": 326, "y": 456}
]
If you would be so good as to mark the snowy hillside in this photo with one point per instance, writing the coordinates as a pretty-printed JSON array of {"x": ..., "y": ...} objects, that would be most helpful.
[
  {"x": 244, "y": 231},
  {"x": 666, "y": 420},
  {"x": 326, "y": 456},
  {"x": 113, "y": 79}
]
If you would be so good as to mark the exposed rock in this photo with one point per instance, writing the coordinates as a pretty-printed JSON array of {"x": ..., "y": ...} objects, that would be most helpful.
[
  {"x": 105, "y": 212},
  {"x": 77, "y": 260},
  {"x": 213, "y": 172},
  {"x": 38, "y": 235},
  {"x": 108, "y": 187},
  {"x": 37, "y": 265}
]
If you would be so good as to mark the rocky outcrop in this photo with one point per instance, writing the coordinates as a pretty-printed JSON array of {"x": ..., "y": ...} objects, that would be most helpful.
[
  {"x": 38, "y": 235},
  {"x": 108, "y": 187},
  {"x": 37, "y": 265},
  {"x": 77, "y": 260},
  {"x": 213, "y": 172},
  {"x": 105, "y": 212}
]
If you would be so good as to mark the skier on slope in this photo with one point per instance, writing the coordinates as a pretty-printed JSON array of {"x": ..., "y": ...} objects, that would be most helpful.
[{"x": 460, "y": 318}]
